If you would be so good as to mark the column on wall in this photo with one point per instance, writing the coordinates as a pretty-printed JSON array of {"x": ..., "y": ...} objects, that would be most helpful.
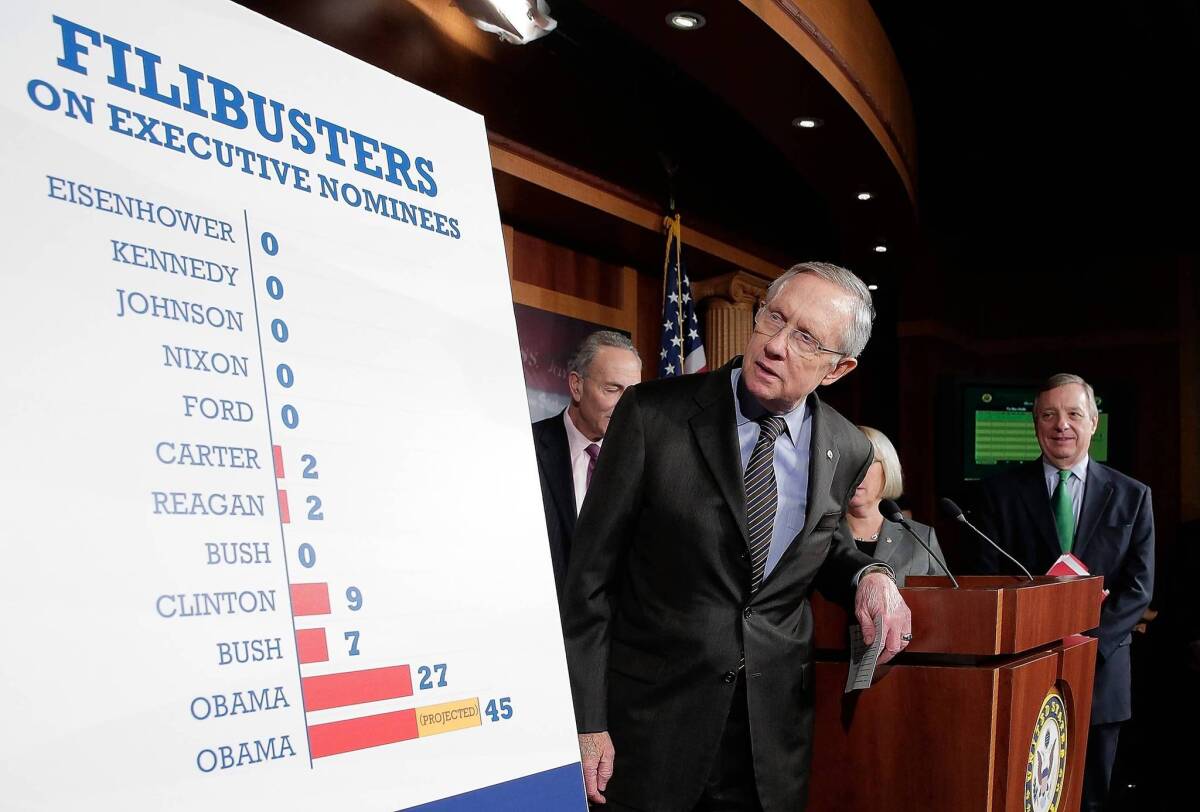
[{"x": 728, "y": 303}]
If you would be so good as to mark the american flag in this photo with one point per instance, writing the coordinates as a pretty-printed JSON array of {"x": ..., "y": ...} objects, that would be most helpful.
[{"x": 682, "y": 349}]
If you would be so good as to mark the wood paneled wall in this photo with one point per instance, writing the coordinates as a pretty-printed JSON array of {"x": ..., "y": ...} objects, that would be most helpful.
[{"x": 564, "y": 281}]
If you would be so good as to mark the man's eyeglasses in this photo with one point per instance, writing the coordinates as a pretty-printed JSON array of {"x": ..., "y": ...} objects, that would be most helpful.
[{"x": 769, "y": 323}]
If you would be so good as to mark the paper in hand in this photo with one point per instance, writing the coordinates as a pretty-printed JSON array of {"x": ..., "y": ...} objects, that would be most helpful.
[{"x": 863, "y": 658}]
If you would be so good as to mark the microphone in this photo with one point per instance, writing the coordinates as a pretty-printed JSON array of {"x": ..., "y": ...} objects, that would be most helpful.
[
  {"x": 891, "y": 511},
  {"x": 953, "y": 511}
]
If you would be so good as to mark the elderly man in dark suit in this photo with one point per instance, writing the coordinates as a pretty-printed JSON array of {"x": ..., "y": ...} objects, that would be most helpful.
[
  {"x": 1067, "y": 502},
  {"x": 719, "y": 503},
  {"x": 568, "y": 444}
]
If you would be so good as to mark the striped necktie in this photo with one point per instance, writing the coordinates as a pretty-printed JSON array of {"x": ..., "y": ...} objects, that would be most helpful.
[{"x": 762, "y": 496}]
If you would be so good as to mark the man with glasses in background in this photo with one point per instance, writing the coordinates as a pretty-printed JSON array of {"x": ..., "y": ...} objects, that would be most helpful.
[{"x": 720, "y": 503}]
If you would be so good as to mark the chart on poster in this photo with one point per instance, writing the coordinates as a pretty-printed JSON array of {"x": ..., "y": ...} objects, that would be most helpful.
[{"x": 273, "y": 531}]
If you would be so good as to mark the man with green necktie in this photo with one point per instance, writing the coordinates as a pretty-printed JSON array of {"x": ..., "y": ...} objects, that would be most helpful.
[{"x": 1066, "y": 502}]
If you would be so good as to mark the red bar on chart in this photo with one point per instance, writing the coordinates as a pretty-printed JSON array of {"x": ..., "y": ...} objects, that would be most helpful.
[
  {"x": 356, "y": 687},
  {"x": 347, "y": 735},
  {"x": 311, "y": 646},
  {"x": 310, "y": 599},
  {"x": 277, "y": 453},
  {"x": 285, "y": 515}
]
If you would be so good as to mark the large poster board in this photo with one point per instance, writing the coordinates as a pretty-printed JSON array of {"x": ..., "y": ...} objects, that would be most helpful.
[{"x": 272, "y": 531}]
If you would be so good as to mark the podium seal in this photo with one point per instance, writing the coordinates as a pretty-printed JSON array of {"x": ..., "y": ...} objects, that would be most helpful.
[{"x": 1047, "y": 756}]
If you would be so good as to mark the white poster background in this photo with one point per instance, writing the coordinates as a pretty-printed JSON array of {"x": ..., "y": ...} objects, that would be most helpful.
[{"x": 409, "y": 393}]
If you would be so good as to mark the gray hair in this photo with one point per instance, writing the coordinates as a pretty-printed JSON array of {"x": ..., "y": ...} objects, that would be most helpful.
[
  {"x": 1066, "y": 379},
  {"x": 859, "y": 332},
  {"x": 585, "y": 353},
  {"x": 885, "y": 454}
]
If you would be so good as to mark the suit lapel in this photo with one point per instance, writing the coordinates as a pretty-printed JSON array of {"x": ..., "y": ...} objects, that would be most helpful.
[
  {"x": 1097, "y": 493},
  {"x": 557, "y": 454},
  {"x": 1037, "y": 504},
  {"x": 823, "y": 458},
  {"x": 898, "y": 535},
  {"x": 715, "y": 429}
]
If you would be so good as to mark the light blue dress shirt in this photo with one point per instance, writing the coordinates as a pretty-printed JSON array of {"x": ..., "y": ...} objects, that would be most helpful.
[
  {"x": 791, "y": 464},
  {"x": 1075, "y": 484}
]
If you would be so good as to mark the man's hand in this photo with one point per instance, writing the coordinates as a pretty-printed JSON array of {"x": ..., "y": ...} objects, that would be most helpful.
[
  {"x": 597, "y": 753},
  {"x": 878, "y": 597}
]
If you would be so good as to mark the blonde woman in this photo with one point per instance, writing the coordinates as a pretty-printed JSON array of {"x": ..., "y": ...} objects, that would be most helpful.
[{"x": 875, "y": 535}]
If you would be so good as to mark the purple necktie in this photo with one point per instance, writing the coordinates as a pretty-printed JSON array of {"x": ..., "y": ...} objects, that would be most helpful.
[{"x": 593, "y": 451}]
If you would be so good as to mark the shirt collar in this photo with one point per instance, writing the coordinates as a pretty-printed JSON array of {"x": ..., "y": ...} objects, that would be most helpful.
[
  {"x": 1079, "y": 469},
  {"x": 748, "y": 410},
  {"x": 576, "y": 439}
]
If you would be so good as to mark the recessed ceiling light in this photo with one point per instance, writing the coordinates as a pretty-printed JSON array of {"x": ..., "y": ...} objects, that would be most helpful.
[
  {"x": 807, "y": 122},
  {"x": 881, "y": 249},
  {"x": 686, "y": 20},
  {"x": 872, "y": 287},
  {"x": 865, "y": 195}
]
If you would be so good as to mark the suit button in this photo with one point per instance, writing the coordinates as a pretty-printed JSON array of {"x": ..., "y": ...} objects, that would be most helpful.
[
  {"x": 742, "y": 555},
  {"x": 747, "y": 613},
  {"x": 730, "y": 676}
]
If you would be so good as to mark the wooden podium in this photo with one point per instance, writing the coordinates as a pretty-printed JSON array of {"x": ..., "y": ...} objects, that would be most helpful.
[{"x": 949, "y": 725}]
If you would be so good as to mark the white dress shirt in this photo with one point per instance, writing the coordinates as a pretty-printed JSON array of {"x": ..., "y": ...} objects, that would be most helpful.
[{"x": 579, "y": 458}]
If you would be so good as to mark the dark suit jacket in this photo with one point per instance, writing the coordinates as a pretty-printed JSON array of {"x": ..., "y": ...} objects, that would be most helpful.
[
  {"x": 658, "y": 607},
  {"x": 903, "y": 554},
  {"x": 1114, "y": 538},
  {"x": 558, "y": 491}
]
